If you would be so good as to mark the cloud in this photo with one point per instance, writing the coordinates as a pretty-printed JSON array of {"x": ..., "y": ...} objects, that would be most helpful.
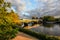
[
  {"x": 18, "y": 4},
  {"x": 50, "y": 7},
  {"x": 41, "y": 0}
]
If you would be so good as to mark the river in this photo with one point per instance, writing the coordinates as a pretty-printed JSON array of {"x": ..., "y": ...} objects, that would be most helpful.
[{"x": 49, "y": 29}]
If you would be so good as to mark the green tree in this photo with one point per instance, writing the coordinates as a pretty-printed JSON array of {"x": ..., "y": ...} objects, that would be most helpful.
[
  {"x": 48, "y": 18},
  {"x": 8, "y": 29},
  {"x": 33, "y": 17}
]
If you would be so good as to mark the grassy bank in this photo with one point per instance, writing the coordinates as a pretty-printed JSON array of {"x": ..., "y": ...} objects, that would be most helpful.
[{"x": 38, "y": 35}]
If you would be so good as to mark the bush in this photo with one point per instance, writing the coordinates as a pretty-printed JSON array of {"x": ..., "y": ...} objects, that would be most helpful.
[{"x": 7, "y": 31}]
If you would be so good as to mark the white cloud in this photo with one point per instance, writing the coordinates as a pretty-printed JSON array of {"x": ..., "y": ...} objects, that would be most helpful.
[
  {"x": 51, "y": 7},
  {"x": 42, "y": 0},
  {"x": 19, "y": 4}
]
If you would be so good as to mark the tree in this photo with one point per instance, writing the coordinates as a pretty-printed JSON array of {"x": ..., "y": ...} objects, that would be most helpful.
[
  {"x": 48, "y": 18},
  {"x": 33, "y": 17},
  {"x": 36, "y": 17},
  {"x": 8, "y": 29},
  {"x": 1, "y": 1}
]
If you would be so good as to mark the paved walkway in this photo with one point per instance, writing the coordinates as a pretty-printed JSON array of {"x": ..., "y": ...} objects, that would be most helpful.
[{"x": 23, "y": 36}]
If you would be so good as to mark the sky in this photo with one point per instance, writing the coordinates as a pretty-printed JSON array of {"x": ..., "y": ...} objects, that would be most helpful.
[
  {"x": 25, "y": 5},
  {"x": 35, "y": 7}
]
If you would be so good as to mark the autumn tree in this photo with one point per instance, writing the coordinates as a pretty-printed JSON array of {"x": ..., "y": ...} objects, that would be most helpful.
[{"x": 8, "y": 29}]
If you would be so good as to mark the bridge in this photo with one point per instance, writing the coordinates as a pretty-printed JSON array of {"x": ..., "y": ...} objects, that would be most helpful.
[{"x": 29, "y": 22}]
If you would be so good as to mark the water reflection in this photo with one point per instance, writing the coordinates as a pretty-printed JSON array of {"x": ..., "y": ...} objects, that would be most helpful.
[
  {"x": 48, "y": 25},
  {"x": 50, "y": 29}
]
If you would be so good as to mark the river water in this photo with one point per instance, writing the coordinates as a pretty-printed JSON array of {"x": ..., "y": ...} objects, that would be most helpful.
[{"x": 49, "y": 29}]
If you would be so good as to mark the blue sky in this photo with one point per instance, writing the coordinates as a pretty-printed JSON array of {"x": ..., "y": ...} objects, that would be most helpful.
[
  {"x": 30, "y": 4},
  {"x": 26, "y": 5},
  {"x": 33, "y": 4},
  {"x": 36, "y": 6}
]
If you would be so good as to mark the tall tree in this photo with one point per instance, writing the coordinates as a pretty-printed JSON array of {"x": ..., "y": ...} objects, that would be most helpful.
[{"x": 8, "y": 29}]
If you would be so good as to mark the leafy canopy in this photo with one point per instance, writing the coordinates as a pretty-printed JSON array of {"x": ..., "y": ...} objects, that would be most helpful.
[{"x": 8, "y": 29}]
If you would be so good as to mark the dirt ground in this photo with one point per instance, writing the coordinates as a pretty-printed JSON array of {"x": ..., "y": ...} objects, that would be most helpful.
[{"x": 23, "y": 36}]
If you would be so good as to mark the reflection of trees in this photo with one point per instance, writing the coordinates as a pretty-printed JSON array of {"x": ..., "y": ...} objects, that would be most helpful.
[
  {"x": 48, "y": 25},
  {"x": 58, "y": 24}
]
